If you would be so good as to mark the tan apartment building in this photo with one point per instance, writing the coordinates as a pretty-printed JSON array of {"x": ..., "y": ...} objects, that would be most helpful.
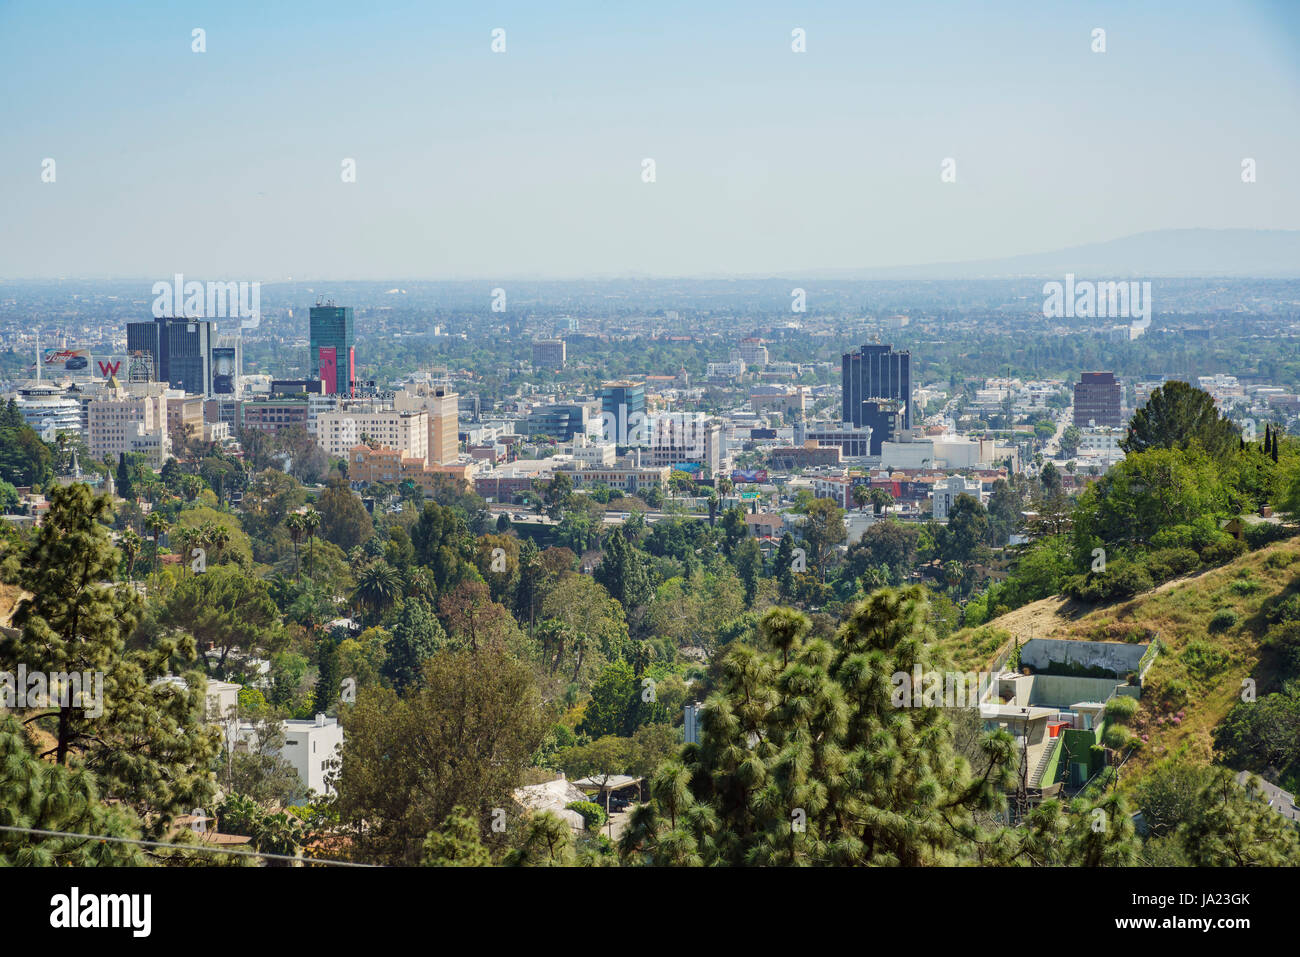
[
  {"x": 442, "y": 406},
  {"x": 185, "y": 410},
  {"x": 406, "y": 431},
  {"x": 120, "y": 422}
]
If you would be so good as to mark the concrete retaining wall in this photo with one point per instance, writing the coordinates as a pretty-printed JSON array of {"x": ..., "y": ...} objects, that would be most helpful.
[{"x": 1048, "y": 654}]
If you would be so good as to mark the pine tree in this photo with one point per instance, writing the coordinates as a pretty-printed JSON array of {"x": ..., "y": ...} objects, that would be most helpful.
[
  {"x": 147, "y": 741},
  {"x": 749, "y": 566},
  {"x": 417, "y": 635},
  {"x": 622, "y": 572},
  {"x": 1233, "y": 828},
  {"x": 456, "y": 843},
  {"x": 48, "y": 797},
  {"x": 813, "y": 752},
  {"x": 785, "y": 566},
  {"x": 328, "y": 678},
  {"x": 805, "y": 758},
  {"x": 528, "y": 590}
]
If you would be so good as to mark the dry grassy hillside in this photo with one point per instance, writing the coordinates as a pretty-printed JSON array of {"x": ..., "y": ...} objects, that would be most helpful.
[
  {"x": 1204, "y": 661},
  {"x": 9, "y": 595}
]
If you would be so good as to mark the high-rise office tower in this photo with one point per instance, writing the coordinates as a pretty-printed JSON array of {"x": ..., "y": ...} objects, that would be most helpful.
[
  {"x": 332, "y": 347},
  {"x": 549, "y": 354},
  {"x": 1097, "y": 401},
  {"x": 622, "y": 413},
  {"x": 180, "y": 349},
  {"x": 876, "y": 372},
  {"x": 884, "y": 418}
]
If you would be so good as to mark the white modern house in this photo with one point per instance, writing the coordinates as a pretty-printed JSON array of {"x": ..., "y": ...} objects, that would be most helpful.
[{"x": 309, "y": 744}]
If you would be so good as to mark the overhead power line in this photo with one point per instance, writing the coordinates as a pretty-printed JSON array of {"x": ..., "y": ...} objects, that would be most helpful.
[{"x": 184, "y": 847}]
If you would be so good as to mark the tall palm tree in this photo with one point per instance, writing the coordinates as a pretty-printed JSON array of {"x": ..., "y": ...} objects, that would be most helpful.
[
  {"x": 420, "y": 583},
  {"x": 861, "y": 495},
  {"x": 953, "y": 572},
  {"x": 219, "y": 536},
  {"x": 151, "y": 489},
  {"x": 580, "y": 644},
  {"x": 881, "y": 499},
  {"x": 203, "y": 536},
  {"x": 296, "y": 525},
  {"x": 551, "y": 636},
  {"x": 310, "y": 523},
  {"x": 156, "y": 524},
  {"x": 185, "y": 539},
  {"x": 61, "y": 447},
  {"x": 311, "y": 607},
  {"x": 191, "y": 486},
  {"x": 378, "y": 586},
  {"x": 130, "y": 544}
]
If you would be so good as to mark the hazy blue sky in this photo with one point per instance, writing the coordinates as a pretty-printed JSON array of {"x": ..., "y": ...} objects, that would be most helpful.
[{"x": 226, "y": 164}]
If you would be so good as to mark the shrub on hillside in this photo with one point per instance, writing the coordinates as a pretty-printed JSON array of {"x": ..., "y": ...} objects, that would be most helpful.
[
  {"x": 1281, "y": 559},
  {"x": 1171, "y": 693},
  {"x": 1266, "y": 533},
  {"x": 1121, "y": 579},
  {"x": 1203, "y": 660},
  {"x": 1222, "y": 551},
  {"x": 1222, "y": 620},
  {"x": 1287, "y": 608},
  {"x": 1166, "y": 563},
  {"x": 1194, "y": 537},
  {"x": 1121, "y": 709},
  {"x": 1116, "y": 737}
]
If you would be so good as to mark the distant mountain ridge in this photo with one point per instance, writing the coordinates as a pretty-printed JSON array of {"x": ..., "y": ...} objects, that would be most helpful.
[{"x": 1235, "y": 253}]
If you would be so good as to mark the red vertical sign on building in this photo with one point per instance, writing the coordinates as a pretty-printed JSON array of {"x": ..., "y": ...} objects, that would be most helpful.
[{"x": 329, "y": 369}]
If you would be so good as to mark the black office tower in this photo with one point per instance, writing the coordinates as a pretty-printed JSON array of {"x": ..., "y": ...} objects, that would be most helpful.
[
  {"x": 181, "y": 349},
  {"x": 873, "y": 373}
]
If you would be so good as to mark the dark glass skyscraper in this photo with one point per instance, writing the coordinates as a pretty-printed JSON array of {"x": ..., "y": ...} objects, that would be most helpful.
[
  {"x": 181, "y": 349},
  {"x": 1098, "y": 397},
  {"x": 876, "y": 372},
  {"x": 331, "y": 330},
  {"x": 622, "y": 412}
]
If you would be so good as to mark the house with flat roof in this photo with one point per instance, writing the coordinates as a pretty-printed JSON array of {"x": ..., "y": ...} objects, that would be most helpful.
[
  {"x": 1055, "y": 705},
  {"x": 309, "y": 745}
]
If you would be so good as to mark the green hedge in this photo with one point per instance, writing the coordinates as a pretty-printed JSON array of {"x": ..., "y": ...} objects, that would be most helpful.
[{"x": 592, "y": 813}]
